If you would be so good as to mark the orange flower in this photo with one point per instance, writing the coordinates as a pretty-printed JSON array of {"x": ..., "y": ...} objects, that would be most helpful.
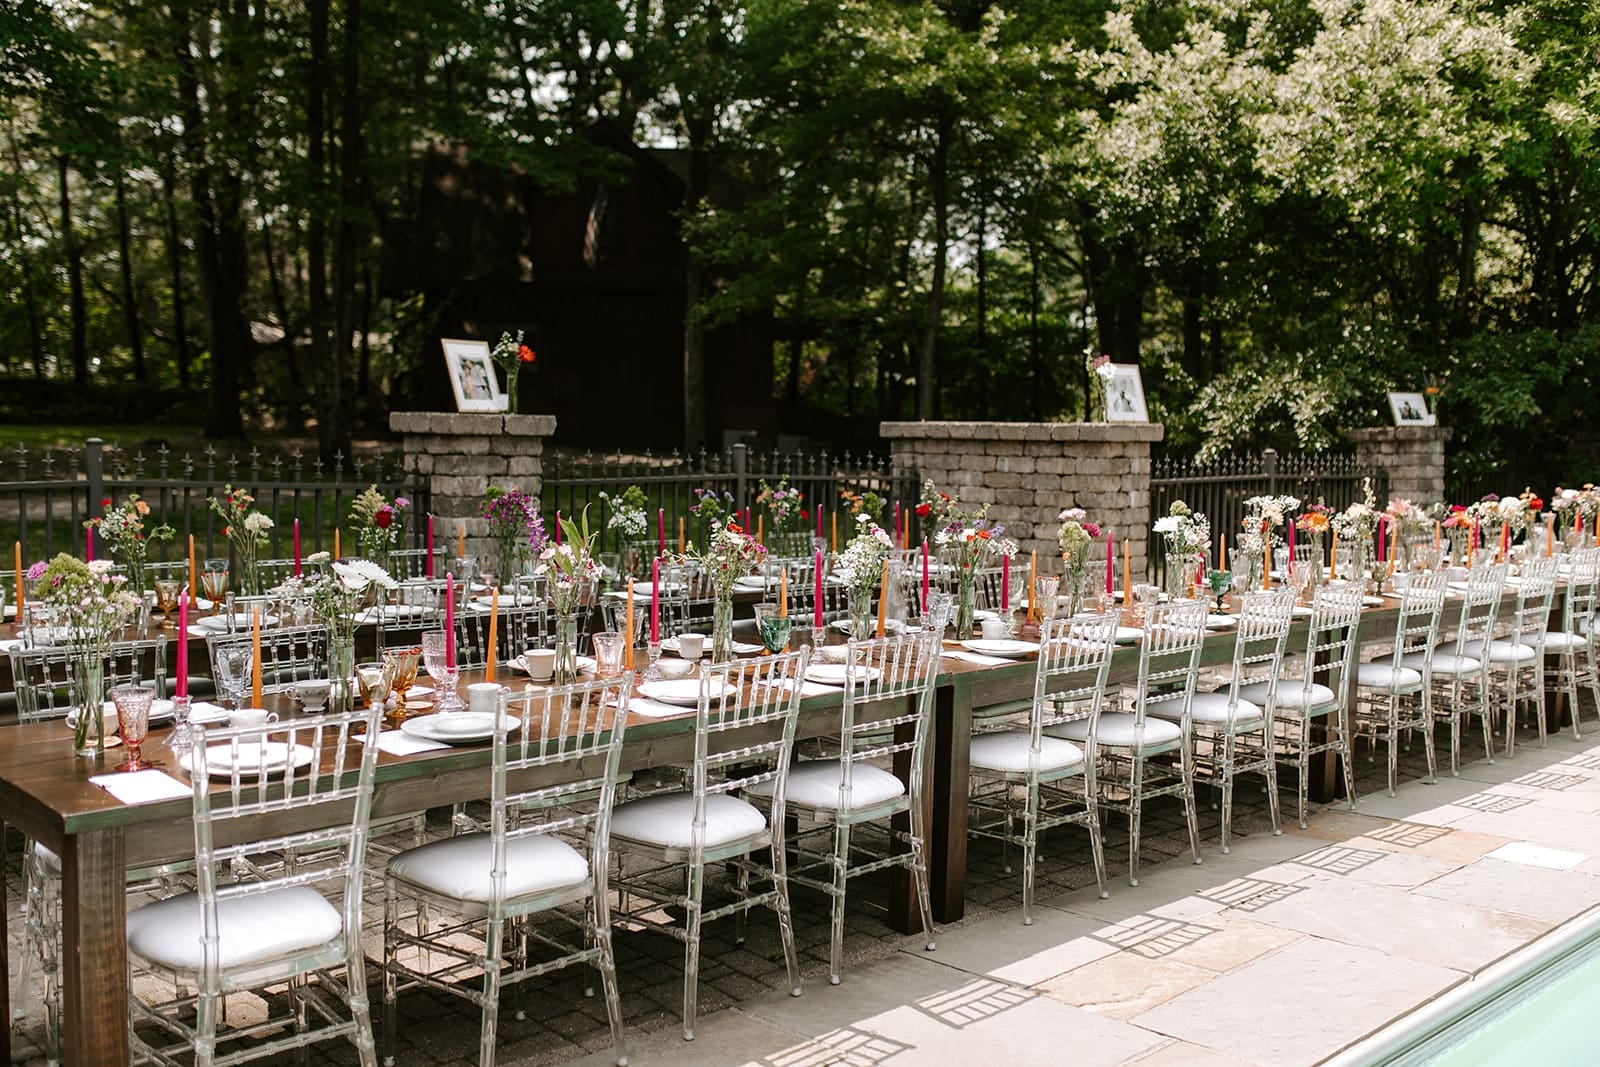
[{"x": 524, "y": 354}]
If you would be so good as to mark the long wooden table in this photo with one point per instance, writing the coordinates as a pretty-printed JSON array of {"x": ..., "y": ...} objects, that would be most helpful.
[{"x": 45, "y": 793}]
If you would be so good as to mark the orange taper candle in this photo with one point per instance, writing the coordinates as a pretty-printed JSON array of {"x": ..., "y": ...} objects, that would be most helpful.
[{"x": 255, "y": 657}]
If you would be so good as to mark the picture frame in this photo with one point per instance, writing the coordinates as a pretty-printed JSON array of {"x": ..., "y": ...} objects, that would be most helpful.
[
  {"x": 472, "y": 375},
  {"x": 1125, "y": 394},
  {"x": 1411, "y": 409}
]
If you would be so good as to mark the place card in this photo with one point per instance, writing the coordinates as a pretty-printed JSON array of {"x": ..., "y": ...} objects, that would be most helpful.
[
  {"x": 399, "y": 743},
  {"x": 143, "y": 787}
]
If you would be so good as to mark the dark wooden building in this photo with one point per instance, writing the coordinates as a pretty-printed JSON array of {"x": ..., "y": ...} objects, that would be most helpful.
[{"x": 594, "y": 277}]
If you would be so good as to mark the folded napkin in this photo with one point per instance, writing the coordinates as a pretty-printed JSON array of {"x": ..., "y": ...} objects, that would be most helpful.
[
  {"x": 7, "y": 646},
  {"x": 981, "y": 660},
  {"x": 807, "y": 688},
  {"x": 400, "y": 743},
  {"x": 205, "y": 710},
  {"x": 143, "y": 787}
]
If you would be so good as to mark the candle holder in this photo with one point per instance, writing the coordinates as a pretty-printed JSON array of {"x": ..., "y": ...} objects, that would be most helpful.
[
  {"x": 652, "y": 671},
  {"x": 178, "y": 741}
]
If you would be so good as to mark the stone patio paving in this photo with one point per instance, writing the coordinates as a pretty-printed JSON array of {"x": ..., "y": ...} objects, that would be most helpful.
[{"x": 1282, "y": 952}]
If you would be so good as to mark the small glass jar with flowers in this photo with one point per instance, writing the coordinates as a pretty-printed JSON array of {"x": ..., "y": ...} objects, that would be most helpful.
[
  {"x": 1187, "y": 533},
  {"x": 122, "y": 530},
  {"x": 380, "y": 524},
  {"x": 860, "y": 567},
  {"x": 516, "y": 527},
  {"x": 729, "y": 553},
  {"x": 1076, "y": 537},
  {"x": 512, "y": 356},
  {"x": 248, "y": 530},
  {"x": 91, "y": 602},
  {"x": 1261, "y": 530},
  {"x": 571, "y": 577},
  {"x": 628, "y": 519}
]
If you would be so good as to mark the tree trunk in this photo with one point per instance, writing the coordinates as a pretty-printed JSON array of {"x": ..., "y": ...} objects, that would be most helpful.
[
  {"x": 1193, "y": 336},
  {"x": 74, "y": 255},
  {"x": 1466, "y": 269},
  {"x": 328, "y": 383},
  {"x": 30, "y": 301},
  {"x": 983, "y": 310},
  {"x": 336, "y": 436},
  {"x": 1035, "y": 357},
  {"x": 130, "y": 303},
  {"x": 694, "y": 355},
  {"x": 364, "y": 345},
  {"x": 927, "y": 358},
  {"x": 180, "y": 327},
  {"x": 281, "y": 306}
]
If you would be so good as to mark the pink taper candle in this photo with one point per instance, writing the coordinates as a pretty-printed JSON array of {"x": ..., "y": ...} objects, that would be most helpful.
[
  {"x": 297, "y": 548},
  {"x": 655, "y": 601},
  {"x": 1291, "y": 543},
  {"x": 183, "y": 643},
  {"x": 88, "y": 543},
  {"x": 1005, "y": 584},
  {"x": 558, "y": 528},
  {"x": 1110, "y": 556},
  {"x": 1383, "y": 530},
  {"x": 819, "y": 521},
  {"x": 924, "y": 577},
  {"x": 817, "y": 603},
  {"x": 450, "y": 621},
  {"x": 661, "y": 530},
  {"x": 427, "y": 562}
]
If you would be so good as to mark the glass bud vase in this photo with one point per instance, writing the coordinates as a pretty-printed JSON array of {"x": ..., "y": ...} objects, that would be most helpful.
[
  {"x": 1076, "y": 581},
  {"x": 862, "y": 625},
  {"x": 566, "y": 632},
  {"x": 341, "y": 671},
  {"x": 722, "y": 628},
  {"x": 966, "y": 595},
  {"x": 1178, "y": 579},
  {"x": 88, "y": 737}
]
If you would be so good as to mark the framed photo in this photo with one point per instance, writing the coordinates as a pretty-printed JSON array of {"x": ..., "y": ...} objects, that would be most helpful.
[
  {"x": 1411, "y": 409},
  {"x": 472, "y": 376},
  {"x": 1125, "y": 395}
]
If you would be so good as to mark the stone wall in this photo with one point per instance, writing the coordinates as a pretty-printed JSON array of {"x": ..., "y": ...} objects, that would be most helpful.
[
  {"x": 1413, "y": 456},
  {"x": 1030, "y": 471},
  {"x": 461, "y": 455}
]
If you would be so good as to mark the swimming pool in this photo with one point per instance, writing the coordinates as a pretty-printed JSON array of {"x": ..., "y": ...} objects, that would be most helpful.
[{"x": 1540, "y": 1005}]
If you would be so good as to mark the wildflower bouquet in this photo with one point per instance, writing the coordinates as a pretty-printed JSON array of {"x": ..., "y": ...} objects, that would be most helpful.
[
  {"x": 247, "y": 529},
  {"x": 860, "y": 567},
  {"x": 1101, "y": 370},
  {"x": 380, "y": 524},
  {"x": 337, "y": 595},
  {"x": 869, "y": 503},
  {"x": 571, "y": 576},
  {"x": 122, "y": 530},
  {"x": 943, "y": 512},
  {"x": 710, "y": 509},
  {"x": 1566, "y": 506},
  {"x": 783, "y": 506},
  {"x": 515, "y": 524},
  {"x": 512, "y": 355},
  {"x": 91, "y": 602},
  {"x": 627, "y": 513},
  {"x": 1187, "y": 533},
  {"x": 1075, "y": 537}
]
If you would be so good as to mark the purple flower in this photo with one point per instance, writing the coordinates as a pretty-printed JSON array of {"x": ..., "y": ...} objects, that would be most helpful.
[
  {"x": 35, "y": 572},
  {"x": 401, "y": 502}
]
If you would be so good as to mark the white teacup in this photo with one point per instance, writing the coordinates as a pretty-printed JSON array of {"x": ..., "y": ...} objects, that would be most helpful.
[
  {"x": 251, "y": 718},
  {"x": 485, "y": 696},
  {"x": 691, "y": 646},
  {"x": 994, "y": 629},
  {"x": 541, "y": 663},
  {"x": 675, "y": 668},
  {"x": 313, "y": 693}
]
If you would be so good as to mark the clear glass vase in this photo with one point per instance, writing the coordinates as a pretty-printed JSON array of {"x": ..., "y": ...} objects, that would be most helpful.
[
  {"x": 722, "y": 628},
  {"x": 1178, "y": 580},
  {"x": 966, "y": 595},
  {"x": 88, "y": 738},
  {"x": 861, "y": 622},
  {"x": 1247, "y": 564},
  {"x": 1076, "y": 583},
  {"x": 566, "y": 633},
  {"x": 341, "y": 670}
]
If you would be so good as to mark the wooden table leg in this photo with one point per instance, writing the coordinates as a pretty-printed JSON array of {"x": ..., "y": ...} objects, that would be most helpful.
[
  {"x": 949, "y": 792},
  {"x": 94, "y": 951},
  {"x": 5, "y": 968}
]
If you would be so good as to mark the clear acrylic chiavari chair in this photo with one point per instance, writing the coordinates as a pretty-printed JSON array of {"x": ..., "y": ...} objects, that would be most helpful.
[
  {"x": 289, "y": 654},
  {"x": 1514, "y": 661},
  {"x": 538, "y": 874},
  {"x": 1461, "y": 680},
  {"x": 1572, "y": 646},
  {"x": 1395, "y": 692},
  {"x": 1055, "y": 777}
]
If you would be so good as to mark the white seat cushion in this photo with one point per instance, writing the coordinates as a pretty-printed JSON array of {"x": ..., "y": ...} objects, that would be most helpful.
[
  {"x": 459, "y": 866},
  {"x": 1388, "y": 677},
  {"x": 1119, "y": 729},
  {"x": 1292, "y": 695},
  {"x": 815, "y": 784},
  {"x": 1556, "y": 641},
  {"x": 1008, "y": 751},
  {"x": 250, "y": 929},
  {"x": 1446, "y": 663},
  {"x": 667, "y": 820},
  {"x": 1211, "y": 709},
  {"x": 1503, "y": 652}
]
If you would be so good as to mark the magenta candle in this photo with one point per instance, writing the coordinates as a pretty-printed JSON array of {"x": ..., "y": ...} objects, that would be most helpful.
[
  {"x": 924, "y": 577},
  {"x": 655, "y": 601},
  {"x": 819, "y": 522},
  {"x": 1110, "y": 555},
  {"x": 1383, "y": 527},
  {"x": 1005, "y": 584},
  {"x": 1291, "y": 542},
  {"x": 88, "y": 543},
  {"x": 297, "y": 548},
  {"x": 558, "y": 526},
  {"x": 817, "y": 603},
  {"x": 897, "y": 524},
  {"x": 427, "y": 563},
  {"x": 450, "y": 622},
  {"x": 182, "y": 689},
  {"x": 661, "y": 530}
]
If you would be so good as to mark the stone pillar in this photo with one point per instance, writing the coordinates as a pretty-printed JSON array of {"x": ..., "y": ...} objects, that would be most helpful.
[
  {"x": 1029, "y": 471},
  {"x": 461, "y": 455},
  {"x": 1413, "y": 457}
]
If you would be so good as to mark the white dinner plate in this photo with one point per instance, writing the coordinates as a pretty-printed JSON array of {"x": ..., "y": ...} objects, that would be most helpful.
[
  {"x": 521, "y": 600},
  {"x": 754, "y": 585},
  {"x": 253, "y": 760},
  {"x": 740, "y": 648},
  {"x": 1372, "y": 601},
  {"x": 641, "y": 587},
  {"x": 1000, "y": 647},
  {"x": 1127, "y": 635},
  {"x": 890, "y": 626},
  {"x": 682, "y": 692},
  {"x": 208, "y": 715},
  {"x": 160, "y": 710},
  {"x": 1301, "y": 611},
  {"x": 1221, "y": 622},
  {"x": 457, "y": 727},
  {"x": 834, "y": 673}
]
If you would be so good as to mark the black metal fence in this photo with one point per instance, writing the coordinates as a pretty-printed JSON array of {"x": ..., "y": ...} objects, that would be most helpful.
[
  {"x": 1218, "y": 489},
  {"x": 573, "y": 482},
  {"x": 52, "y": 493}
]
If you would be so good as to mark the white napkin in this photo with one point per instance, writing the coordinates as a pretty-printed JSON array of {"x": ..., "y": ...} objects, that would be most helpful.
[
  {"x": 655, "y": 709},
  {"x": 400, "y": 743},
  {"x": 808, "y": 688},
  {"x": 207, "y": 709},
  {"x": 7, "y": 646},
  {"x": 973, "y": 657},
  {"x": 143, "y": 787}
]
